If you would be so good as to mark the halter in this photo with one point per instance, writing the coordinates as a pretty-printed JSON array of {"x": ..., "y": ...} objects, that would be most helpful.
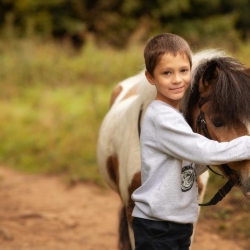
[{"x": 232, "y": 174}]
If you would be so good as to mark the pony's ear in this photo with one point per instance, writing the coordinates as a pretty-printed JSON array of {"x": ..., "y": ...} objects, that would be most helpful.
[
  {"x": 209, "y": 77},
  {"x": 247, "y": 70}
]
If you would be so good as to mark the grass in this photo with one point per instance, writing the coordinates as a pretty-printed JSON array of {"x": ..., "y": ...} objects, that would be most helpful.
[
  {"x": 55, "y": 132},
  {"x": 52, "y": 103}
]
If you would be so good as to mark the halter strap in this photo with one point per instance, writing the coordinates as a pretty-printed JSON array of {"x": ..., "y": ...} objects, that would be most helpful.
[
  {"x": 139, "y": 120},
  {"x": 232, "y": 174},
  {"x": 220, "y": 194},
  {"x": 201, "y": 121}
]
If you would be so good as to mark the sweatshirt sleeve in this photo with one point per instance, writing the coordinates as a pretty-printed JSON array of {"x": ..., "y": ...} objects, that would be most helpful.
[
  {"x": 176, "y": 138},
  {"x": 200, "y": 169}
]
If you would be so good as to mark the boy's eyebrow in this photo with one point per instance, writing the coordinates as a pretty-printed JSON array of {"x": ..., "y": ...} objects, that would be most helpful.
[{"x": 170, "y": 67}]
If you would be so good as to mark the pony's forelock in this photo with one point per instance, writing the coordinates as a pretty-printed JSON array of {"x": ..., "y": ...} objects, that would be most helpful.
[{"x": 230, "y": 94}]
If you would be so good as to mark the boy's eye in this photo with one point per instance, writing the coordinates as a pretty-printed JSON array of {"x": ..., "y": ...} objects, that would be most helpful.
[
  {"x": 167, "y": 73},
  {"x": 184, "y": 70}
]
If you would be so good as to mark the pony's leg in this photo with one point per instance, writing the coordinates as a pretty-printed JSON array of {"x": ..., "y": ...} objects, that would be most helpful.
[
  {"x": 131, "y": 237},
  {"x": 135, "y": 183},
  {"x": 202, "y": 184},
  {"x": 124, "y": 232}
]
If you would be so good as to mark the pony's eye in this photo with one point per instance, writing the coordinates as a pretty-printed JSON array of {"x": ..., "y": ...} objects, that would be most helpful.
[{"x": 218, "y": 121}]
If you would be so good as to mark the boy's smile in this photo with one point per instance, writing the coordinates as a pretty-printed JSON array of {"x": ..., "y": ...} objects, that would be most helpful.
[{"x": 171, "y": 78}]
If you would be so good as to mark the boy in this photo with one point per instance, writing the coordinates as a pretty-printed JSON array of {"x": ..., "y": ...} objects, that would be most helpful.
[{"x": 166, "y": 204}]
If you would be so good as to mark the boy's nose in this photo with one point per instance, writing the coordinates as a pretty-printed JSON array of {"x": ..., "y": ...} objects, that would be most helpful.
[{"x": 176, "y": 79}]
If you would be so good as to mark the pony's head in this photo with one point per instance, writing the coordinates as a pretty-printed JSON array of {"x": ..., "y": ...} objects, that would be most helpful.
[{"x": 221, "y": 91}]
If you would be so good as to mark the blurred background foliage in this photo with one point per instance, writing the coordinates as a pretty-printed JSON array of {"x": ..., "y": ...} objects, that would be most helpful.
[
  {"x": 60, "y": 59},
  {"x": 52, "y": 103},
  {"x": 121, "y": 22}
]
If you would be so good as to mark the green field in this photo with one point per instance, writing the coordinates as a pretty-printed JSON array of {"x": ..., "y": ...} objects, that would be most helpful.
[{"x": 53, "y": 101}]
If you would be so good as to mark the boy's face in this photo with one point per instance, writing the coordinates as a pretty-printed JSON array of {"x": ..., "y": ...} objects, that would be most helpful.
[{"x": 171, "y": 78}]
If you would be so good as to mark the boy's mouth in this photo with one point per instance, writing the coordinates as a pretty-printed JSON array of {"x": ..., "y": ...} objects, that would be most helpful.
[{"x": 177, "y": 89}]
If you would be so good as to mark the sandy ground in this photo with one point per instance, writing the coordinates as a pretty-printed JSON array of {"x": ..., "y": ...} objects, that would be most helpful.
[{"x": 42, "y": 213}]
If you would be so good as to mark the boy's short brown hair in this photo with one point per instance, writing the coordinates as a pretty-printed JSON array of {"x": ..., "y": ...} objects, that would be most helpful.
[{"x": 161, "y": 44}]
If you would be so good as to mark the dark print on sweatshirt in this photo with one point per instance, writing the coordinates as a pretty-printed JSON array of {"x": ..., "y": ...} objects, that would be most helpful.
[{"x": 188, "y": 177}]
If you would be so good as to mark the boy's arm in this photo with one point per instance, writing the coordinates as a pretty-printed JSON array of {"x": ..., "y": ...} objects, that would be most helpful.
[{"x": 176, "y": 138}]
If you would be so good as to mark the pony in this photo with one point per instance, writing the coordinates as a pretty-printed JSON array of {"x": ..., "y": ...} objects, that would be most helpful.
[{"x": 220, "y": 90}]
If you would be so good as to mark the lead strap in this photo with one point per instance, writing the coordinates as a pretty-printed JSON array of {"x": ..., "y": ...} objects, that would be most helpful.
[{"x": 220, "y": 194}]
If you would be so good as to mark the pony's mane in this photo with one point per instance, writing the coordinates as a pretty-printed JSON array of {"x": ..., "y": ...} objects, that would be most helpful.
[{"x": 231, "y": 92}]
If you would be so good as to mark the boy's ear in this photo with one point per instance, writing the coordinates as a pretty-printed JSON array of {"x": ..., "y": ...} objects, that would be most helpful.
[{"x": 149, "y": 78}]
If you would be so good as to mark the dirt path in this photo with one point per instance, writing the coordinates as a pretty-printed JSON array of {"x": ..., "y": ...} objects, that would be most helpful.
[{"x": 41, "y": 213}]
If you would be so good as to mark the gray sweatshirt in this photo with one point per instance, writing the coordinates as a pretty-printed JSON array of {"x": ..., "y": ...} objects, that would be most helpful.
[{"x": 169, "y": 149}]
